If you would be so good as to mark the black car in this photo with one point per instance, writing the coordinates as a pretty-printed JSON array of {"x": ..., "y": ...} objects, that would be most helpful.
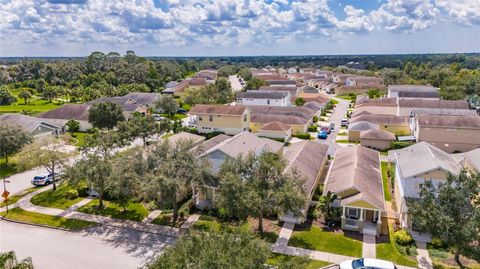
[{"x": 181, "y": 111}]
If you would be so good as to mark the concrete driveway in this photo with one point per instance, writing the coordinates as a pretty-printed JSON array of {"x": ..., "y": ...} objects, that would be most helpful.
[
  {"x": 99, "y": 247},
  {"x": 235, "y": 83}
]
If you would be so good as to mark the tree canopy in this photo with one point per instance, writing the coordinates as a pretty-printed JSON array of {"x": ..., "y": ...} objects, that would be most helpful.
[
  {"x": 12, "y": 139},
  {"x": 451, "y": 213},
  {"x": 105, "y": 115}
]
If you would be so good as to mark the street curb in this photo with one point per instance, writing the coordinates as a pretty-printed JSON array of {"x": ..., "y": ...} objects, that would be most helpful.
[{"x": 51, "y": 227}]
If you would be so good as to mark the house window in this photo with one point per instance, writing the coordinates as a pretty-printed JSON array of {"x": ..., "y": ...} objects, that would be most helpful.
[
  {"x": 210, "y": 118},
  {"x": 352, "y": 213},
  {"x": 199, "y": 118},
  {"x": 244, "y": 117},
  {"x": 268, "y": 102}
]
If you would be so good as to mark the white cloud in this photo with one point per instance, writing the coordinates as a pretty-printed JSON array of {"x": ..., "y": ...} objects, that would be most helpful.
[
  {"x": 461, "y": 11},
  {"x": 211, "y": 23}
]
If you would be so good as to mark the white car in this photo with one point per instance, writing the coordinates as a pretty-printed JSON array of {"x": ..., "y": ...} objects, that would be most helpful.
[{"x": 367, "y": 263}]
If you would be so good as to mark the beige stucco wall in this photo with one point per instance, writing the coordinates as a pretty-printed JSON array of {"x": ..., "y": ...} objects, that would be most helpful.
[
  {"x": 375, "y": 143},
  {"x": 226, "y": 123},
  {"x": 450, "y": 139},
  {"x": 285, "y": 135},
  {"x": 354, "y": 136}
]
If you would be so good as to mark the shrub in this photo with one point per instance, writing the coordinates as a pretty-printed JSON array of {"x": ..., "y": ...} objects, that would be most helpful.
[
  {"x": 206, "y": 217},
  {"x": 437, "y": 243},
  {"x": 82, "y": 189},
  {"x": 403, "y": 238},
  {"x": 71, "y": 194},
  {"x": 400, "y": 144},
  {"x": 315, "y": 118},
  {"x": 302, "y": 136},
  {"x": 182, "y": 213},
  {"x": 213, "y": 134},
  {"x": 312, "y": 128},
  {"x": 438, "y": 253}
]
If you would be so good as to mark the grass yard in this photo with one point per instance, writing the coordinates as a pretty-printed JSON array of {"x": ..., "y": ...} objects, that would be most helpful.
[
  {"x": 386, "y": 189},
  {"x": 277, "y": 259},
  {"x": 345, "y": 97},
  {"x": 14, "y": 198},
  {"x": 174, "y": 117},
  {"x": 165, "y": 219},
  {"x": 344, "y": 141},
  {"x": 388, "y": 251},
  {"x": 208, "y": 223},
  {"x": 134, "y": 211},
  {"x": 56, "y": 199},
  {"x": 318, "y": 239},
  {"x": 21, "y": 215},
  {"x": 33, "y": 107},
  {"x": 80, "y": 138},
  {"x": 442, "y": 258}
]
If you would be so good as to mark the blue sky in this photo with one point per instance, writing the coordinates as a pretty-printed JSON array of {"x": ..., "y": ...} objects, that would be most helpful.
[{"x": 238, "y": 27}]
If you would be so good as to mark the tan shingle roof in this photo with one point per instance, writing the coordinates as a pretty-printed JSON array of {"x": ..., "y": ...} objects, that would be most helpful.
[
  {"x": 382, "y": 119},
  {"x": 306, "y": 158},
  {"x": 391, "y": 102},
  {"x": 459, "y": 104},
  {"x": 357, "y": 168},
  {"x": 237, "y": 110},
  {"x": 449, "y": 121},
  {"x": 377, "y": 134},
  {"x": 275, "y": 126}
]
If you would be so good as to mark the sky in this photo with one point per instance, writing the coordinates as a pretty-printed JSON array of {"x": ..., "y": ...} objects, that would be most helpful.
[{"x": 238, "y": 27}]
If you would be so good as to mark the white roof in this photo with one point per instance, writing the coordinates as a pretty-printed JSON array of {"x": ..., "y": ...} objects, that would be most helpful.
[
  {"x": 244, "y": 143},
  {"x": 423, "y": 157}
]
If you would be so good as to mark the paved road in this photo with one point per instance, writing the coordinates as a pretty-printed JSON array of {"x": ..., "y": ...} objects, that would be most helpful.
[
  {"x": 235, "y": 83},
  {"x": 21, "y": 181},
  {"x": 336, "y": 118},
  {"x": 99, "y": 247}
]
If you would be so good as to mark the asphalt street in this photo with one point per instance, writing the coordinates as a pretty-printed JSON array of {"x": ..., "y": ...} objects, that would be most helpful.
[
  {"x": 99, "y": 247},
  {"x": 337, "y": 115}
]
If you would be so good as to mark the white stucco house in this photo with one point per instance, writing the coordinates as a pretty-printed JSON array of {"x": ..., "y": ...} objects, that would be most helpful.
[{"x": 264, "y": 98}]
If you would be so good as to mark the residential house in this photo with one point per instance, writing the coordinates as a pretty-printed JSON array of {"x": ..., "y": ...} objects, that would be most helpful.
[
  {"x": 219, "y": 118},
  {"x": 413, "y": 166},
  {"x": 356, "y": 179},
  {"x": 292, "y": 90},
  {"x": 134, "y": 102},
  {"x": 281, "y": 83},
  {"x": 264, "y": 98},
  {"x": 391, "y": 123},
  {"x": 34, "y": 126},
  {"x": 359, "y": 85},
  {"x": 356, "y": 128},
  {"x": 299, "y": 118},
  {"x": 308, "y": 159},
  {"x": 406, "y": 106},
  {"x": 240, "y": 144},
  {"x": 308, "y": 89},
  {"x": 276, "y": 130},
  {"x": 67, "y": 112},
  {"x": 425, "y": 92},
  {"x": 470, "y": 160},
  {"x": 449, "y": 133},
  {"x": 377, "y": 139},
  {"x": 196, "y": 140}
]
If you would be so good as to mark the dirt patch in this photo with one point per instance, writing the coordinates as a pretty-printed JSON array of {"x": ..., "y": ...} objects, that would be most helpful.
[{"x": 269, "y": 225}]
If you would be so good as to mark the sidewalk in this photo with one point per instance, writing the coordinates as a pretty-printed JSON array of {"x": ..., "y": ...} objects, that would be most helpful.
[
  {"x": 24, "y": 203},
  {"x": 423, "y": 258}
]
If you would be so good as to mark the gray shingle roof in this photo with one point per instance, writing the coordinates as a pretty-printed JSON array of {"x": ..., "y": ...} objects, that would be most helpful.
[
  {"x": 27, "y": 123},
  {"x": 472, "y": 122},
  {"x": 377, "y": 134},
  {"x": 262, "y": 94},
  {"x": 67, "y": 112},
  {"x": 357, "y": 168},
  {"x": 362, "y": 126}
]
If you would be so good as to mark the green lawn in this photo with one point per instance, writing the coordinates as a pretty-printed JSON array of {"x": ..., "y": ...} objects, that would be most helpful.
[
  {"x": 345, "y": 97},
  {"x": 174, "y": 117},
  {"x": 317, "y": 239},
  {"x": 56, "y": 199},
  {"x": 277, "y": 259},
  {"x": 386, "y": 190},
  {"x": 388, "y": 251},
  {"x": 21, "y": 215},
  {"x": 165, "y": 219},
  {"x": 135, "y": 211},
  {"x": 211, "y": 224},
  {"x": 14, "y": 198},
  {"x": 80, "y": 137},
  {"x": 34, "y": 106},
  {"x": 344, "y": 141}
]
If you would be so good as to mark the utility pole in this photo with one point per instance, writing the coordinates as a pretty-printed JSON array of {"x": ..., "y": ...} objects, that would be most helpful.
[{"x": 5, "y": 192}]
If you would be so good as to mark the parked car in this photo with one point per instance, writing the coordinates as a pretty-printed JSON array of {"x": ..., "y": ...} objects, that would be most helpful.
[
  {"x": 322, "y": 134},
  {"x": 326, "y": 128},
  {"x": 44, "y": 179},
  {"x": 344, "y": 123},
  {"x": 181, "y": 111},
  {"x": 365, "y": 263},
  {"x": 158, "y": 117}
]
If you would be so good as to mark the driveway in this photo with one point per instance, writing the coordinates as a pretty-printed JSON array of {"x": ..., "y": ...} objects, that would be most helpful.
[{"x": 99, "y": 247}]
